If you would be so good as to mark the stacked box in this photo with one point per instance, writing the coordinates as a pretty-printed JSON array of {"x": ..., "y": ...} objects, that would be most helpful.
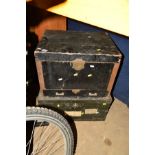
[{"x": 76, "y": 72}]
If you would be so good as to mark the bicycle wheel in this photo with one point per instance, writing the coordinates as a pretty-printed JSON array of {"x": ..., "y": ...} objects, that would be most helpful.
[{"x": 47, "y": 133}]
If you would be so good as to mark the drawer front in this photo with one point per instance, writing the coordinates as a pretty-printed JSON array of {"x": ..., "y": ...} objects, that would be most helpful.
[
  {"x": 90, "y": 110},
  {"x": 74, "y": 93},
  {"x": 65, "y": 75},
  {"x": 76, "y": 105}
]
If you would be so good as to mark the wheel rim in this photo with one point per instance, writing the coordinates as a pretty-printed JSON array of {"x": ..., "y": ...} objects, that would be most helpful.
[{"x": 46, "y": 138}]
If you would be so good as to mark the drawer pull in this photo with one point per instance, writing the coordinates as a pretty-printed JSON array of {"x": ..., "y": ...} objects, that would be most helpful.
[
  {"x": 92, "y": 94},
  {"x": 74, "y": 113},
  {"x": 60, "y": 94},
  {"x": 91, "y": 111}
]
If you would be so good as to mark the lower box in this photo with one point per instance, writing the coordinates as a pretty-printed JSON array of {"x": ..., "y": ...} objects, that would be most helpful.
[{"x": 82, "y": 109}]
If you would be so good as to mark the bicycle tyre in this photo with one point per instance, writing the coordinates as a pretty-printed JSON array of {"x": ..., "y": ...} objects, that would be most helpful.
[{"x": 39, "y": 114}]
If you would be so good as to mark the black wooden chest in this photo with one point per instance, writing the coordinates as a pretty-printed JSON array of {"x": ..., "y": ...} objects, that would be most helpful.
[
  {"x": 83, "y": 108},
  {"x": 74, "y": 67}
]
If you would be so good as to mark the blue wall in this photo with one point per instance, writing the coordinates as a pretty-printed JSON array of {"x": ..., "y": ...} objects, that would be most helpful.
[{"x": 121, "y": 88}]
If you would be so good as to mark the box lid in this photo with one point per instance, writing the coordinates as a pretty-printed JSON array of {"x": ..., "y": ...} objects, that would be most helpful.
[{"x": 71, "y": 45}]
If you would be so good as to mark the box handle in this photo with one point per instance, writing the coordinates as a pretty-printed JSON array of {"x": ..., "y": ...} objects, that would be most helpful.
[
  {"x": 92, "y": 94},
  {"x": 60, "y": 94}
]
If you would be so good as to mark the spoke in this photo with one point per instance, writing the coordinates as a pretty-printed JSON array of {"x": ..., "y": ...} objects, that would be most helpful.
[
  {"x": 41, "y": 135},
  {"x": 36, "y": 133},
  {"x": 41, "y": 150},
  {"x": 31, "y": 137},
  {"x": 44, "y": 145},
  {"x": 54, "y": 143},
  {"x": 57, "y": 149},
  {"x": 48, "y": 146},
  {"x": 43, "y": 139},
  {"x": 46, "y": 138}
]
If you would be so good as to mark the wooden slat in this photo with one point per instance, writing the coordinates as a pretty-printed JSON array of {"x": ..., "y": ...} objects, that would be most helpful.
[
  {"x": 113, "y": 76},
  {"x": 40, "y": 75}
]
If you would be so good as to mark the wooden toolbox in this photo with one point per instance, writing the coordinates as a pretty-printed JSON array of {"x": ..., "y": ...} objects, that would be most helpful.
[
  {"x": 77, "y": 67},
  {"x": 83, "y": 108}
]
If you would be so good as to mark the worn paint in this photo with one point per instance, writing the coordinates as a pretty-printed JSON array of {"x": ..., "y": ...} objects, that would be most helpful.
[
  {"x": 90, "y": 111},
  {"x": 40, "y": 75},
  {"x": 75, "y": 91},
  {"x": 78, "y": 64}
]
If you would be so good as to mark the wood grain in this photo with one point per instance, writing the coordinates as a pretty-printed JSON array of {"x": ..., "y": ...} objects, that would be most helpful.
[
  {"x": 40, "y": 75},
  {"x": 113, "y": 76}
]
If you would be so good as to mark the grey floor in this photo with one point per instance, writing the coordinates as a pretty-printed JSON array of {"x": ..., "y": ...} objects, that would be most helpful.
[{"x": 109, "y": 137}]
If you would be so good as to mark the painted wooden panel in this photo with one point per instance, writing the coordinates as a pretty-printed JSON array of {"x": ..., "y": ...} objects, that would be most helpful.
[{"x": 108, "y": 14}]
